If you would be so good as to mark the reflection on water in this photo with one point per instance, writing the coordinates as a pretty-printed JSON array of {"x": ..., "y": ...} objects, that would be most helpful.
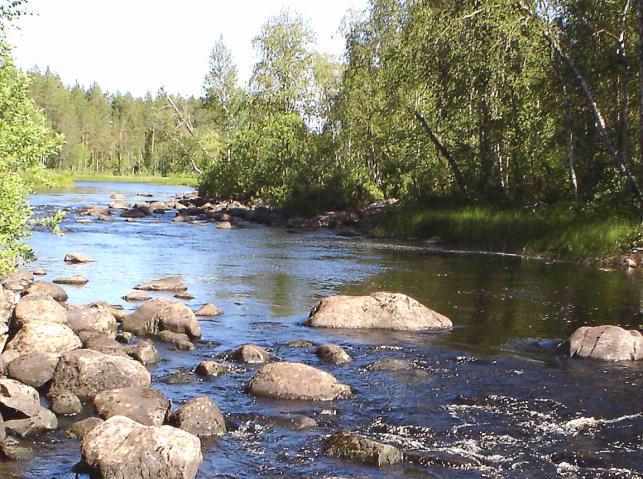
[{"x": 492, "y": 398}]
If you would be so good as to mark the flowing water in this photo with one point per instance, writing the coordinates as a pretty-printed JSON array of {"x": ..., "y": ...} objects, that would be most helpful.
[{"x": 495, "y": 397}]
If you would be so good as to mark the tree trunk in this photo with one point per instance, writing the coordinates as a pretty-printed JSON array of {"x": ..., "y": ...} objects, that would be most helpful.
[
  {"x": 639, "y": 16},
  {"x": 455, "y": 168}
]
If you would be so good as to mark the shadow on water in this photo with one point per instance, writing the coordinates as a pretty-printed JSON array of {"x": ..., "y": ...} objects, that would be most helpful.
[{"x": 495, "y": 397}]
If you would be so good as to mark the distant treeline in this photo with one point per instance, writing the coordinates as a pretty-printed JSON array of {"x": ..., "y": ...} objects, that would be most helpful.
[{"x": 516, "y": 102}]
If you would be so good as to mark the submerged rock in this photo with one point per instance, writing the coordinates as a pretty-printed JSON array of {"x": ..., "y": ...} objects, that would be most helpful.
[
  {"x": 392, "y": 311},
  {"x": 296, "y": 381},
  {"x": 159, "y": 315},
  {"x": 332, "y": 353},
  {"x": 86, "y": 373},
  {"x": 170, "y": 283},
  {"x": 347, "y": 445},
  {"x": 72, "y": 280},
  {"x": 199, "y": 416},
  {"x": 144, "y": 405},
  {"x": 392, "y": 365},
  {"x": 609, "y": 343},
  {"x": 120, "y": 448},
  {"x": 179, "y": 340}
]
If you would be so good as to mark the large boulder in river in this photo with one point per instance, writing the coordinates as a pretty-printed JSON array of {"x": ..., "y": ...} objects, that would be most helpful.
[
  {"x": 86, "y": 373},
  {"x": 346, "y": 445},
  {"x": 120, "y": 448},
  {"x": 34, "y": 369},
  {"x": 44, "y": 309},
  {"x": 609, "y": 343},
  {"x": 96, "y": 318},
  {"x": 50, "y": 289},
  {"x": 144, "y": 405},
  {"x": 296, "y": 381},
  {"x": 171, "y": 283},
  {"x": 162, "y": 315},
  {"x": 199, "y": 416},
  {"x": 43, "y": 337},
  {"x": 392, "y": 311}
]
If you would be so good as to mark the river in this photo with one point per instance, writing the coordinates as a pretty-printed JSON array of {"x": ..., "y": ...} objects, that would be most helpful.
[{"x": 495, "y": 397}]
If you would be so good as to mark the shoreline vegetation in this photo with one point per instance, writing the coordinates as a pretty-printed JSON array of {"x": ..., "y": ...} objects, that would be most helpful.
[{"x": 53, "y": 179}]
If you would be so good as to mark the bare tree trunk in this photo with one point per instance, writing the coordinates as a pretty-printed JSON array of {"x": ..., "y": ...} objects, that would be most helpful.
[
  {"x": 570, "y": 144},
  {"x": 599, "y": 120},
  {"x": 455, "y": 168}
]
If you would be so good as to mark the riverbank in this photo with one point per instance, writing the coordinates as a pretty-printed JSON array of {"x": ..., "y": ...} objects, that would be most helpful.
[
  {"x": 65, "y": 179},
  {"x": 555, "y": 234}
]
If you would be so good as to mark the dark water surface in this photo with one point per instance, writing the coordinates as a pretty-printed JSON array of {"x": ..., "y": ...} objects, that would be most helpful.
[{"x": 495, "y": 397}]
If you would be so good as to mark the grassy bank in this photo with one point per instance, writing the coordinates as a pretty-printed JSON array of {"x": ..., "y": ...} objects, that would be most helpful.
[
  {"x": 558, "y": 232},
  {"x": 64, "y": 179}
]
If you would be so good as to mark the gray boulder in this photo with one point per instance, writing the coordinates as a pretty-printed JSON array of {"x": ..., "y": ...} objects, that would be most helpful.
[
  {"x": 144, "y": 405},
  {"x": 199, "y": 416},
  {"x": 120, "y": 448},
  {"x": 170, "y": 283},
  {"x": 144, "y": 352},
  {"x": 33, "y": 369},
  {"x": 39, "y": 309},
  {"x": 78, "y": 258},
  {"x": 95, "y": 318},
  {"x": 346, "y": 445},
  {"x": 49, "y": 289},
  {"x": 162, "y": 315},
  {"x": 332, "y": 353},
  {"x": 392, "y": 311},
  {"x": 609, "y": 343},
  {"x": 296, "y": 381},
  {"x": 86, "y": 373},
  {"x": 251, "y": 354},
  {"x": 43, "y": 337},
  {"x": 76, "y": 280}
]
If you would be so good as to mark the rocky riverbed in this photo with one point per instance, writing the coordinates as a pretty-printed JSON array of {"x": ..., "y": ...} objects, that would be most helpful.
[{"x": 253, "y": 387}]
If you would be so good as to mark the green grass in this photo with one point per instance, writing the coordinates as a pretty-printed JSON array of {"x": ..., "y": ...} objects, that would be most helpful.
[
  {"x": 556, "y": 232},
  {"x": 65, "y": 179}
]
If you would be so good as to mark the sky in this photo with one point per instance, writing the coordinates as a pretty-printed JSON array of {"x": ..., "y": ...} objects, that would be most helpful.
[{"x": 141, "y": 45}]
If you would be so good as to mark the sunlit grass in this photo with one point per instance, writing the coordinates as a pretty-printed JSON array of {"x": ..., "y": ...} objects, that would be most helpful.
[
  {"x": 65, "y": 179},
  {"x": 557, "y": 232}
]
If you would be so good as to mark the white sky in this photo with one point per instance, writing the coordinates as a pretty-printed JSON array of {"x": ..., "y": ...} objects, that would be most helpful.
[{"x": 141, "y": 45}]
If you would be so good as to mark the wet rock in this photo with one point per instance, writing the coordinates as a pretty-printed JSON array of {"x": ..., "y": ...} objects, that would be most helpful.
[
  {"x": 105, "y": 344},
  {"x": 294, "y": 422},
  {"x": 443, "y": 459},
  {"x": 144, "y": 405},
  {"x": 134, "y": 213},
  {"x": 179, "y": 340},
  {"x": 224, "y": 225},
  {"x": 208, "y": 310},
  {"x": 160, "y": 314},
  {"x": 392, "y": 365},
  {"x": 40, "y": 272},
  {"x": 299, "y": 343},
  {"x": 76, "y": 280},
  {"x": 95, "y": 318},
  {"x": 65, "y": 403},
  {"x": 78, "y": 258},
  {"x": 144, "y": 352},
  {"x": 199, "y": 416},
  {"x": 46, "y": 309},
  {"x": 86, "y": 373},
  {"x": 48, "y": 289},
  {"x": 79, "y": 429},
  {"x": 347, "y": 445},
  {"x": 33, "y": 369},
  {"x": 211, "y": 368},
  {"x": 251, "y": 354},
  {"x": 15, "y": 452},
  {"x": 120, "y": 448},
  {"x": 137, "y": 295},
  {"x": 332, "y": 353},
  {"x": 296, "y": 381},
  {"x": 179, "y": 377},
  {"x": 393, "y": 311},
  {"x": 170, "y": 283},
  {"x": 43, "y": 337},
  {"x": 609, "y": 343},
  {"x": 42, "y": 421}
]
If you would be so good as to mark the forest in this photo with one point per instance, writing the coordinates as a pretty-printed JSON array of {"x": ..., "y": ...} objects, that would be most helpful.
[{"x": 520, "y": 105}]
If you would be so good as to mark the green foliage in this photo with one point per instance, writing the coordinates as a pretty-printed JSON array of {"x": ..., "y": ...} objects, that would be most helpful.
[{"x": 25, "y": 141}]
